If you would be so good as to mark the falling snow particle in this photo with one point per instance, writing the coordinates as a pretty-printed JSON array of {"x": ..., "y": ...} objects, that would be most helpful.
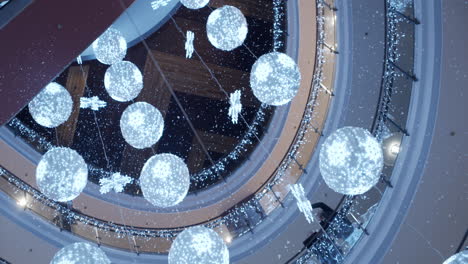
[
  {"x": 117, "y": 182},
  {"x": 93, "y": 103},
  {"x": 235, "y": 107},
  {"x": 189, "y": 44},
  {"x": 302, "y": 202}
]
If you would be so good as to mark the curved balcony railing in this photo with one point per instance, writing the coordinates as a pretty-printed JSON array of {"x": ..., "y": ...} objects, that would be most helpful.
[
  {"x": 331, "y": 245},
  {"x": 242, "y": 218}
]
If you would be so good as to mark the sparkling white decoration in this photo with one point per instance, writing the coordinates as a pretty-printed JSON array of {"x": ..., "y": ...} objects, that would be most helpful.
[
  {"x": 275, "y": 78},
  {"x": 110, "y": 47},
  {"x": 303, "y": 203},
  {"x": 142, "y": 125},
  {"x": 189, "y": 44},
  {"x": 159, "y": 3},
  {"x": 165, "y": 180},
  {"x": 123, "y": 81},
  {"x": 226, "y": 28},
  {"x": 80, "y": 253},
  {"x": 79, "y": 60},
  {"x": 235, "y": 107},
  {"x": 94, "y": 103},
  {"x": 52, "y": 106},
  {"x": 198, "y": 245},
  {"x": 194, "y": 4},
  {"x": 351, "y": 161},
  {"x": 61, "y": 174},
  {"x": 117, "y": 182},
  {"x": 459, "y": 258}
]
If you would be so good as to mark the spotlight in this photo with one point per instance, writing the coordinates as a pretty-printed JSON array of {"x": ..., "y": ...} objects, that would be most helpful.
[{"x": 22, "y": 202}]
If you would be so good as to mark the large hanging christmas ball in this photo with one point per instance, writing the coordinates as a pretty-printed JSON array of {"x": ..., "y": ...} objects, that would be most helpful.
[
  {"x": 165, "y": 180},
  {"x": 351, "y": 161},
  {"x": 52, "y": 106},
  {"x": 275, "y": 78},
  {"x": 142, "y": 125},
  {"x": 198, "y": 245},
  {"x": 80, "y": 253},
  {"x": 459, "y": 258},
  {"x": 110, "y": 47},
  {"x": 226, "y": 28},
  {"x": 123, "y": 81},
  {"x": 61, "y": 174},
  {"x": 194, "y": 4}
]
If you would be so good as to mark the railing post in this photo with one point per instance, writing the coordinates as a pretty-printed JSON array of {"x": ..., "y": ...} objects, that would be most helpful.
[
  {"x": 408, "y": 75},
  {"x": 397, "y": 126}
]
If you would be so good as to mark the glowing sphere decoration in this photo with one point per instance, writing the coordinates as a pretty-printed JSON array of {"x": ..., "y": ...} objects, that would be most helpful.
[
  {"x": 351, "y": 161},
  {"x": 80, "y": 253},
  {"x": 52, "y": 106},
  {"x": 194, "y": 4},
  {"x": 61, "y": 174},
  {"x": 142, "y": 125},
  {"x": 198, "y": 245},
  {"x": 275, "y": 78},
  {"x": 123, "y": 81},
  {"x": 164, "y": 180},
  {"x": 459, "y": 258},
  {"x": 110, "y": 47},
  {"x": 226, "y": 28}
]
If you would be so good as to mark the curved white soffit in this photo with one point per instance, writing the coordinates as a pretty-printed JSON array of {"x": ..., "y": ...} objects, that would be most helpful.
[{"x": 142, "y": 16}]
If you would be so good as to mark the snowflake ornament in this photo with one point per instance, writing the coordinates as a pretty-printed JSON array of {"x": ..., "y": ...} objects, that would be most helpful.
[
  {"x": 117, "y": 182},
  {"x": 235, "y": 107},
  {"x": 93, "y": 103},
  {"x": 302, "y": 202},
  {"x": 189, "y": 49},
  {"x": 198, "y": 245}
]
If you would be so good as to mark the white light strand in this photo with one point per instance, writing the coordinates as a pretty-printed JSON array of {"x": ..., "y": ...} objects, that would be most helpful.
[
  {"x": 235, "y": 106},
  {"x": 189, "y": 49},
  {"x": 116, "y": 182},
  {"x": 302, "y": 202},
  {"x": 93, "y": 103}
]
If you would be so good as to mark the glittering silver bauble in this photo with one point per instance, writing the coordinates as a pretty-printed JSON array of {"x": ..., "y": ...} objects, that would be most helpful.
[
  {"x": 351, "y": 161},
  {"x": 123, "y": 81},
  {"x": 52, "y": 106},
  {"x": 459, "y": 258},
  {"x": 194, "y": 4},
  {"x": 198, "y": 245},
  {"x": 275, "y": 78},
  {"x": 226, "y": 28},
  {"x": 165, "y": 180},
  {"x": 80, "y": 253},
  {"x": 110, "y": 47},
  {"x": 142, "y": 125},
  {"x": 61, "y": 174}
]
